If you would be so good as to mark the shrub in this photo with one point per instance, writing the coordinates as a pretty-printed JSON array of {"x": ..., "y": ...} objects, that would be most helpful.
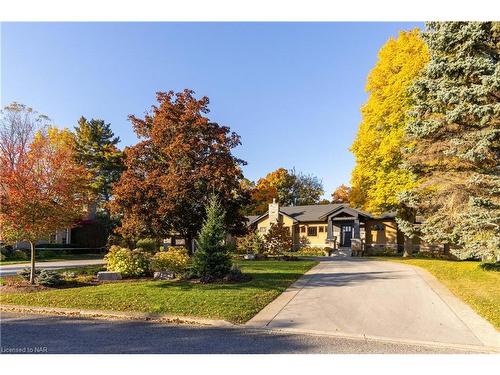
[
  {"x": 490, "y": 266},
  {"x": 2, "y": 257},
  {"x": 304, "y": 242},
  {"x": 252, "y": 243},
  {"x": 311, "y": 251},
  {"x": 130, "y": 263},
  {"x": 235, "y": 275},
  {"x": 278, "y": 239},
  {"x": 6, "y": 250},
  {"x": 49, "y": 278},
  {"x": 175, "y": 259},
  {"x": 25, "y": 273},
  {"x": 148, "y": 244},
  {"x": 19, "y": 254}
]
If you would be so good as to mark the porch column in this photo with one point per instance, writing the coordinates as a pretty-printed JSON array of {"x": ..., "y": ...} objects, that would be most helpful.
[
  {"x": 329, "y": 230},
  {"x": 356, "y": 233}
]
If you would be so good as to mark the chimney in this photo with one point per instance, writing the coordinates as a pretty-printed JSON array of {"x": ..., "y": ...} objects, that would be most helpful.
[{"x": 274, "y": 209}]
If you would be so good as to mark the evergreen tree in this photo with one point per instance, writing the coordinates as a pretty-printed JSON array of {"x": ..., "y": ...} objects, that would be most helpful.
[
  {"x": 212, "y": 260},
  {"x": 96, "y": 149},
  {"x": 454, "y": 139}
]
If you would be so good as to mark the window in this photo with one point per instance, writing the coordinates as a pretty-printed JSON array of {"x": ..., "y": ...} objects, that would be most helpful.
[
  {"x": 326, "y": 228},
  {"x": 262, "y": 229},
  {"x": 297, "y": 229},
  {"x": 312, "y": 231},
  {"x": 321, "y": 229},
  {"x": 302, "y": 229}
]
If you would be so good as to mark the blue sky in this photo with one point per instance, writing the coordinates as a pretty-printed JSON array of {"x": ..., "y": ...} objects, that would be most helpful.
[{"x": 292, "y": 91}]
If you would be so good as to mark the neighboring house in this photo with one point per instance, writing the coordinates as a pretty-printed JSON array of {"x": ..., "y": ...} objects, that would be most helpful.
[{"x": 336, "y": 226}]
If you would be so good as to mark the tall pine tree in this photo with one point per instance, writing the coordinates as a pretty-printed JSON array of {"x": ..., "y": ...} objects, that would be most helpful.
[
  {"x": 211, "y": 259},
  {"x": 96, "y": 149},
  {"x": 454, "y": 139}
]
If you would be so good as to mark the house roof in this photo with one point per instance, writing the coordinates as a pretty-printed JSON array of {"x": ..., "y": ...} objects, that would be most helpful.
[{"x": 314, "y": 212}]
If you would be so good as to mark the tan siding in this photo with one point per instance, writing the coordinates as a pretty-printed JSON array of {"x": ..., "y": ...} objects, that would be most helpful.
[{"x": 381, "y": 237}]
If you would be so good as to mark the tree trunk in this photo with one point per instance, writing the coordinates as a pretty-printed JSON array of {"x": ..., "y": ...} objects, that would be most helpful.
[
  {"x": 408, "y": 247},
  {"x": 446, "y": 249},
  {"x": 32, "y": 272},
  {"x": 409, "y": 215},
  {"x": 189, "y": 244}
]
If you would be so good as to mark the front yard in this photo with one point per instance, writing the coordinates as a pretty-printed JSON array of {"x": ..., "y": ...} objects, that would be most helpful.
[
  {"x": 479, "y": 289},
  {"x": 234, "y": 302}
]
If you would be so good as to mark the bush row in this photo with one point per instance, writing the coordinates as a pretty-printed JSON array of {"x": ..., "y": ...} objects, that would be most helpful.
[{"x": 137, "y": 262}]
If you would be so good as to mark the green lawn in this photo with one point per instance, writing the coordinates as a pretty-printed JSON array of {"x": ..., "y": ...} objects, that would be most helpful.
[
  {"x": 479, "y": 289},
  {"x": 55, "y": 258},
  {"x": 236, "y": 302}
]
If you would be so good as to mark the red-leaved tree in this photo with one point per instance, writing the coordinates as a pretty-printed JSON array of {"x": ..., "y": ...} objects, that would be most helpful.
[{"x": 181, "y": 160}]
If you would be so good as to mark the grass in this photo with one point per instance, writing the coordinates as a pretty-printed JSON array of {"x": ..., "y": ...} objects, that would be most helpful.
[
  {"x": 54, "y": 258},
  {"x": 234, "y": 302},
  {"x": 478, "y": 288}
]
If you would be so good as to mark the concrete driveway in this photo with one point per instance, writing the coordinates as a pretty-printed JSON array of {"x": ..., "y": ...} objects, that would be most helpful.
[
  {"x": 360, "y": 297},
  {"x": 12, "y": 269}
]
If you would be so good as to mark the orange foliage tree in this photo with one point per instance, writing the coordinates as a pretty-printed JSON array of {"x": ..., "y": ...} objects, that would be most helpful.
[
  {"x": 42, "y": 189},
  {"x": 181, "y": 160},
  {"x": 341, "y": 194}
]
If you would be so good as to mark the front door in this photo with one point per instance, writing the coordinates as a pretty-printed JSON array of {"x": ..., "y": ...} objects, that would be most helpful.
[{"x": 346, "y": 235}]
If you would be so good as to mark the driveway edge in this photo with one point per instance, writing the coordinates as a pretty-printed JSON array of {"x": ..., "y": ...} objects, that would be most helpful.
[
  {"x": 269, "y": 312},
  {"x": 116, "y": 315},
  {"x": 480, "y": 327}
]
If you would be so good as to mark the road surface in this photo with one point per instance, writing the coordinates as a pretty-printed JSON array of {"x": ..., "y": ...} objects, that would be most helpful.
[
  {"x": 29, "y": 333},
  {"x": 12, "y": 269}
]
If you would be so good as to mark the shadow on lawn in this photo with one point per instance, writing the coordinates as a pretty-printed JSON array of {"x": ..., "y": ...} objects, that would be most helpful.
[{"x": 270, "y": 281}]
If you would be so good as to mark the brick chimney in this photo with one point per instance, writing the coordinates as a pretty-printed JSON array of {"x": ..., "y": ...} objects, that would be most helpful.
[{"x": 274, "y": 209}]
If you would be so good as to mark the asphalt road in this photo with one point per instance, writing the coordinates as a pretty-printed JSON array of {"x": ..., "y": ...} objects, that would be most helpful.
[
  {"x": 13, "y": 269},
  {"x": 50, "y": 334}
]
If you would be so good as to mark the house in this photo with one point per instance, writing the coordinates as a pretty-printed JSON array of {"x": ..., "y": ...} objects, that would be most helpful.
[{"x": 337, "y": 226}]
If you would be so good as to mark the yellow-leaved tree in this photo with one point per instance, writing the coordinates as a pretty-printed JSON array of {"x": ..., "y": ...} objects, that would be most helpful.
[{"x": 378, "y": 176}]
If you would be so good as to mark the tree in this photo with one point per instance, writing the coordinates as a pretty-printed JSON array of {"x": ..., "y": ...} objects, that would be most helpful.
[
  {"x": 341, "y": 194},
  {"x": 181, "y": 159},
  {"x": 96, "y": 149},
  {"x": 454, "y": 137},
  {"x": 211, "y": 260},
  {"x": 42, "y": 189},
  {"x": 278, "y": 239},
  {"x": 379, "y": 175},
  {"x": 286, "y": 186}
]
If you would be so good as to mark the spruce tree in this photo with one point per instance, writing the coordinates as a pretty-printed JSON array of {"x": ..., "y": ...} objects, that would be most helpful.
[
  {"x": 212, "y": 260},
  {"x": 454, "y": 139}
]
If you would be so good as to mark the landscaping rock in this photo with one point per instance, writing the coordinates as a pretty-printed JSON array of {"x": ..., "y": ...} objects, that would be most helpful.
[
  {"x": 164, "y": 275},
  {"x": 249, "y": 256},
  {"x": 108, "y": 276}
]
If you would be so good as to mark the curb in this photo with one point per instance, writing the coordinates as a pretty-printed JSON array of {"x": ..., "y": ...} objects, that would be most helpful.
[
  {"x": 430, "y": 344},
  {"x": 116, "y": 315}
]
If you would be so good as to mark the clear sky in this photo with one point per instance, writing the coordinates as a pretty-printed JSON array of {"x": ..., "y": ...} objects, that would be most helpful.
[{"x": 292, "y": 91}]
